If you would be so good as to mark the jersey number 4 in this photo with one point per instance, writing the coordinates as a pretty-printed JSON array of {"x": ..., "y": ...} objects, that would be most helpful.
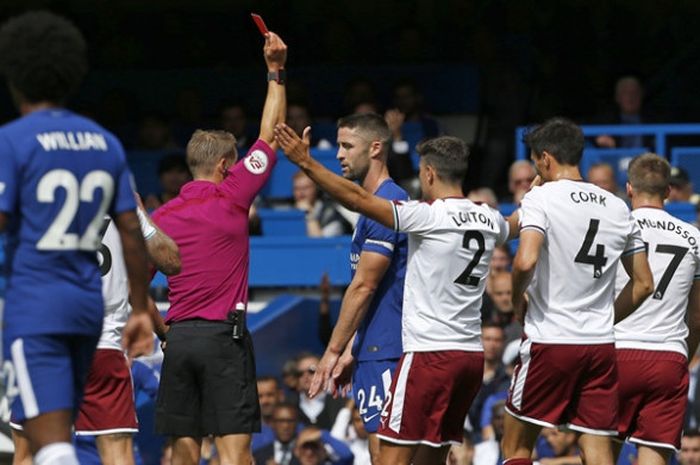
[
  {"x": 583, "y": 256},
  {"x": 57, "y": 236}
]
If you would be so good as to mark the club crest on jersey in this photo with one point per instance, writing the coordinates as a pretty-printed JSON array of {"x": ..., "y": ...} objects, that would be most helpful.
[{"x": 256, "y": 162}]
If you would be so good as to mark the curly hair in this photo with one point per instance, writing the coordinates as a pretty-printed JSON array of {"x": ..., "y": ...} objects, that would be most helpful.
[{"x": 43, "y": 56}]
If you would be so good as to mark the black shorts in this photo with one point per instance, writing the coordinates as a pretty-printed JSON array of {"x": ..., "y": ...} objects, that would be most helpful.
[{"x": 207, "y": 384}]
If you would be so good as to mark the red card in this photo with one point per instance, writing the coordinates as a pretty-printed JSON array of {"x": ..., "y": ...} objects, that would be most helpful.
[{"x": 260, "y": 23}]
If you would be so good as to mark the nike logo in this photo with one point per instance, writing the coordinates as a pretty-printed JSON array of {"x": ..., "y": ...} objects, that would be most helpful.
[{"x": 369, "y": 418}]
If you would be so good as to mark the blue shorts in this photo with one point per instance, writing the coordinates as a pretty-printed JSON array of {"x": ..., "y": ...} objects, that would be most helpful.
[
  {"x": 47, "y": 372},
  {"x": 370, "y": 386}
]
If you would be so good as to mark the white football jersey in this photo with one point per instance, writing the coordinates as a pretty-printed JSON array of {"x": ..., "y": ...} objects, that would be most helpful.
[
  {"x": 586, "y": 229},
  {"x": 115, "y": 288},
  {"x": 659, "y": 323},
  {"x": 450, "y": 243}
]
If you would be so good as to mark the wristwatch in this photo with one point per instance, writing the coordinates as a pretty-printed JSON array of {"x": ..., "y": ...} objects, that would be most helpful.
[{"x": 279, "y": 76}]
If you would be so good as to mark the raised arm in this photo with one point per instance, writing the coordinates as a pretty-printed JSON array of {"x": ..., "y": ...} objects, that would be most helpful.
[
  {"x": 344, "y": 191},
  {"x": 275, "y": 109}
]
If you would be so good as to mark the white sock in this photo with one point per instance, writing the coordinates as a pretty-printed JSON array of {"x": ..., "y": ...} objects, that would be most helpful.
[{"x": 58, "y": 453}]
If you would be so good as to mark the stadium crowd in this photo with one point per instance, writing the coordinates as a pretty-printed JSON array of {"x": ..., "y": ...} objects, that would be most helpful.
[{"x": 376, "y": 394}]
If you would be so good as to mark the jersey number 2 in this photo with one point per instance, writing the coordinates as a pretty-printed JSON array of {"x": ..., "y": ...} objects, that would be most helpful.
[
  {"x": 57, "y": 237},
  {"x": 466, "y": 277},
  {"x": 583, "y": 256}
]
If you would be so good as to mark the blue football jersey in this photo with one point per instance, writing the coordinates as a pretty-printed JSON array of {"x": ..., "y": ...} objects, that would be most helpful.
[
  {"x": 59, "y": 174},
  {"x": 379, "y": 334}
]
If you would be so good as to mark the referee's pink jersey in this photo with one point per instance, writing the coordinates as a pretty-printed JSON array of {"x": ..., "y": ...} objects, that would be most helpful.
[{"x": 209, "y": 224}]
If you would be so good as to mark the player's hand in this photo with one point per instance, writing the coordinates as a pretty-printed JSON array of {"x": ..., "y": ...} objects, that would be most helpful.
[
  {"x": 137, "y": 337},
  {"x": 324, "y": 371},
  {"x": 275, "y": 52},
  {"x": 537, "y": 181},
  {"x": 342, "y": 375},
  {"x": 296, "y": 149}
]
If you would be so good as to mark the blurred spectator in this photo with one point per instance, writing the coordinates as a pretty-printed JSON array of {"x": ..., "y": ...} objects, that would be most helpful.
[
  {"x": 317, "y": 447},
  {"x": 681, "y": 187},
  {"x": 189, "y": 114},
  {"x": 495, "y": 378},
  {"x": 501, "y": 259},
  {"x": 269, "y": 396},
  {"x": 284, "y": 426},
  {"x": 155, "y": 134},
  {"x": 322, "y": 217},
  {"x": 510, "y": 357},
  {"x": 173, "y": 173},
  {"x": 409, "y": 101},
  {"x": 233, "y": 117},
  {"x": 462, "y": 454},
  {"x": 357, "y": 92},
  {"x": 325, "y": 326},
  {"x": 483, "y": 195},
  {"x": 520, "y": 176},
  {"x": 322, "y": 409},
  {"x": 298, "y": 118},
  {"x": 350, "y": 429},
  {"x": 603, "y": 175},
  {"x": 290, "y": 378},
  {"x": 629, "y": 98},
  {"x": 488, "y": 452},
  {"x": 563, "y": 444},
  {"x": 690, "y": 448},
  {"x": 501, "y": 291}
]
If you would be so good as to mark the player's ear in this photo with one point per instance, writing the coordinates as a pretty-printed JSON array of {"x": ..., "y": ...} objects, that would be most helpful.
[
  {"x": 375, "y": 148},
  {"x": 628, "y": 189}
]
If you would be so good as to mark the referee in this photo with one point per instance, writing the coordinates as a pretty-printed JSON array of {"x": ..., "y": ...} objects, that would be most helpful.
[{"x": 208, "y": 377}]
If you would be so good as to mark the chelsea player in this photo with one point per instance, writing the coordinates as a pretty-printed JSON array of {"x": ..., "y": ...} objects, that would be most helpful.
[
  {"x": 59, "y": 174},
  {"x": 372, "y": 303}
]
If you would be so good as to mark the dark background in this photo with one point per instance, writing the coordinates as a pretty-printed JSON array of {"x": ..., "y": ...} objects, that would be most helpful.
[{"x": 533, "y": 59}]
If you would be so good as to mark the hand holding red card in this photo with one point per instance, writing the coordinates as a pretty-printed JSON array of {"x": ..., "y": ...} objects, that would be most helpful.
[{"x": 260, "y": 23}]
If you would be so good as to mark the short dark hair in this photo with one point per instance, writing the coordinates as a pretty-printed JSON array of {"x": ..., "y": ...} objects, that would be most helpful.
[
  {"x": 448, "y": 155},
  {"x": 691, "y": 433},
  {"x": 559, "y": 137},
  {"x": 649, "y": 173},
  {"x": 43, "y": 56},
  {"x": 371, "y": 124}
]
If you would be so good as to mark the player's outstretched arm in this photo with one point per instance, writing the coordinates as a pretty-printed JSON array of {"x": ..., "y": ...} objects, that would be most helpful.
[
  {"x": 346, "y": 192},
  {"x": 275, "y": 109},
  {"x": 693, "y": 319},
  {"x": 638, "y": 288},
  {"x": 524, "y": 268},
  {"x": 370, "y": 271}
]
